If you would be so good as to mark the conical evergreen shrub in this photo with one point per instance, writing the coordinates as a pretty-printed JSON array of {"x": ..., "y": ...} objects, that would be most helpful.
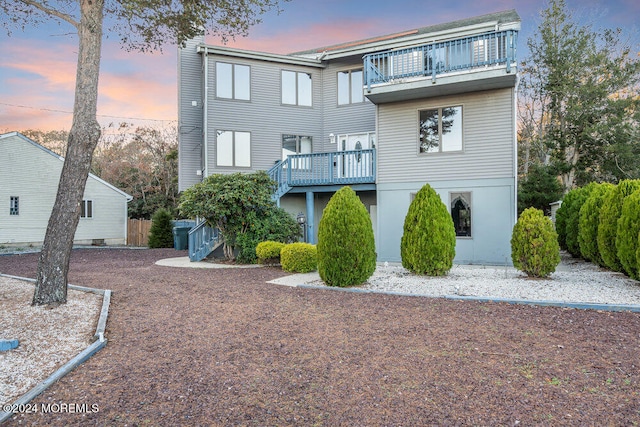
[
  {"x": 573, "y": 218},
  {"x": 429, "y": 238},
  {"x": 627, "y": 235},
  {"x": 346, "y": 248},
  {"x": 589, "y": 221},
  {"x": 608, "y": 226},
  {"x": 534, "y": 244},
  {"x": 161, "y": 232}
]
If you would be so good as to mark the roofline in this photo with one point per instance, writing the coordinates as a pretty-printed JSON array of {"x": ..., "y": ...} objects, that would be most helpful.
[
  {"x": 46, "y": 150},
  {"x": 264, "y": 56}
]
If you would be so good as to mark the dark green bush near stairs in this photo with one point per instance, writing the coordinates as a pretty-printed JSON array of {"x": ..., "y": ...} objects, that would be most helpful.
[
  {"x": 161, "y": 232},
  {"x": 346, "y": 246},
  {"x": 299, "y": 257},
  {"x": 269, "y": 252},
  {"x": 534, "y": 244},
  {"x": 589, "y": 222},
  {"x": 627, "y": 235},
  {"x": 429, "y": 238},
  {"x": 562, "y": 217},
  {"x": 608, "y": 226}
]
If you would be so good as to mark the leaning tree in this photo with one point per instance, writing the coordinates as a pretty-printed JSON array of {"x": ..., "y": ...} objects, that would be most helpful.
[{"x": 142, "y": 25}]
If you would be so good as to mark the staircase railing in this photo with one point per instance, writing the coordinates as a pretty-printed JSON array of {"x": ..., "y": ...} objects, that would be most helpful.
[{"x": 202, "y": 241}]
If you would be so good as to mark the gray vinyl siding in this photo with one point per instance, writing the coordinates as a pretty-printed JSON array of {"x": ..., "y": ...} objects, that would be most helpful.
[
  {"x": 488, "y": 140},
  {"x": 32, "y": 173},
  {"x": 264, "y": 116},
  {"x": 189, "y": 116},
  {"x": 349, "y": 118}
]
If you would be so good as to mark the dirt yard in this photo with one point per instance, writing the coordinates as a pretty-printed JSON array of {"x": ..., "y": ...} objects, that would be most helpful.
[{"x": 222, "y": 347}]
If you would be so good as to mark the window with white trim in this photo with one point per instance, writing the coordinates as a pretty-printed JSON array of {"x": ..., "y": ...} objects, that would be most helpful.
[
  {"x": 86, "y": 209},
  {"x": 350, "y": 87},
  {"x": 233, "y": 148},
  {"x": 233, "y": 81},
  {"x": 296, "y": 88},
  {"x": 440, "y": 129},
  {"x": 14, "y": 205}
]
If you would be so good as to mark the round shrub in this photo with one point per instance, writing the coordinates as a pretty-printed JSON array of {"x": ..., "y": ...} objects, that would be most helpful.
[
  {"x": 534, "y": 244},
  {"x": 589, "y": 221},
  {"x": 161, "y": 231},
  {"x": 572, "y": 226},
  {"x": 627, "y": 235},
  {"x": 299, "y": 257},
  {"x": 608, "y": 225},
  {"x": 346, "y": 246},
  {"x": 269, "y": 252},
  {"x": 429, "y": 238}
]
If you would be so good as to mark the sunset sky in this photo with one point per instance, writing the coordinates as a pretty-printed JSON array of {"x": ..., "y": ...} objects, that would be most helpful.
[{"x": 37, "y": 71}]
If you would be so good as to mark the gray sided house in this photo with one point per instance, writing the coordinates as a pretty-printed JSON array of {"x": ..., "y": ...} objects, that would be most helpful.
[
  {"x": 384, "y": 115},
  {"x": 28, "y": 185}
]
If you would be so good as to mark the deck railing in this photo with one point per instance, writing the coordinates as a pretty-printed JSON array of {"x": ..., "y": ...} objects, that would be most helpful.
[
  {"x": 332, "y": 168},
  {"x": 431, "y": 60}
]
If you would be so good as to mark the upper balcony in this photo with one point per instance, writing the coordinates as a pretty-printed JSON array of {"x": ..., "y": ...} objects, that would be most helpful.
[{"x": 481, "y": 62}]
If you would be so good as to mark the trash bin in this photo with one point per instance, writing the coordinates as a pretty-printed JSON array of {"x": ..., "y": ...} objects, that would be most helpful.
[{"x": 181, "y": 238}]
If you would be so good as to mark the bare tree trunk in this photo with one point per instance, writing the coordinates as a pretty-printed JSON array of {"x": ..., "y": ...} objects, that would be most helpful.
[{"x": 53, "y": 265}]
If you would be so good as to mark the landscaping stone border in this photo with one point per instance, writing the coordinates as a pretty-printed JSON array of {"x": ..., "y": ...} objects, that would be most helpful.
[{"x": 99, "y": 341}]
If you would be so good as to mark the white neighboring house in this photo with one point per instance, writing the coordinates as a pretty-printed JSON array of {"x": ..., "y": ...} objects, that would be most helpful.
[{"x": 29, "y": 178}]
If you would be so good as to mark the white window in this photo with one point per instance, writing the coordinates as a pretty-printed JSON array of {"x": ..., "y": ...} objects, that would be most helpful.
[
  {"x": 233, "y": 81},
  {"x": 296, "y": 88},
  {"x": 14, "y": 205},
  {"x": 440, "y": 130},
  {"x": 86, "y": 209},
  {"x": 461, "y": 213},
  {"x": 233, "y": 148},
  {"x": 350, "y": 85}
]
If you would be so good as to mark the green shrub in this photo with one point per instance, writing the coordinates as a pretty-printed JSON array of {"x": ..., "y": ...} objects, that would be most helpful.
[
  {"x": 274, "y": 224},
  {"x": 638, "y": 254},
  {"x": 269, "y": 252},
  {"x": 161, "y": 232},
  {"x": 534, "y": 244},
  {"x": 589, "y": 221},
  {"x": 608, "y": 225},
  {"x": 627, "y": 235},
  {"x": 346, "y": 246},
  {"x": 572, "y": 226},
  {"x": 562, "y": 217},
  {"x": 429, "y": 238},
  {"x": 539, "y": 189},
  {"x": 299, "y": 257}
]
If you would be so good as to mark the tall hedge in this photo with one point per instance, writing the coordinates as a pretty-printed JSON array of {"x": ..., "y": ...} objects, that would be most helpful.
[
  {"x": 572, "y": 226},
  {"x": 589, "y": 221},
  {"x": 608, "y": 225},
  {"x": 429, "y": 238},
  {"x": 627, "y": 234},
  {"x": 562, "y": 217},
  {"x": 161, "y": 232},
  {"x": 346, "y": 247},
  {"x": 534, "y": 244}
]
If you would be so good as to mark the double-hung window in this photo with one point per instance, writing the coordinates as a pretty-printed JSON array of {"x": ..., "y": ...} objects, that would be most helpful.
[
  {"x": 350, "y": 87},
  {"x": 14, "y": 205},
  {"x": 440, "y": 130},
  {"x": 233, "y": 81},
  {"x": 296, "y": 88},
  {"x": 233, "y": 148},
  {"x": 86, "y": 209}
]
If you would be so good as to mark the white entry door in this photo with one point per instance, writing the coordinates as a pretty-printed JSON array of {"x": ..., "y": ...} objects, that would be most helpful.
[{"x": 355, "y": 164}]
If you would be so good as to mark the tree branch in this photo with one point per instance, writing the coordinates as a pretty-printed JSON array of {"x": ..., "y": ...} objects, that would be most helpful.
[{"x": 50, "y": 11}]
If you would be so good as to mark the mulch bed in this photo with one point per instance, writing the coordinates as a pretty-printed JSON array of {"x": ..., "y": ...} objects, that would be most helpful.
[{"x": 222, "y": 347}]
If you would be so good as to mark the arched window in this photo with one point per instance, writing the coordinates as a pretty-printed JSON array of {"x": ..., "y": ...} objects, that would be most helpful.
[{"x": 461, "y": 213}]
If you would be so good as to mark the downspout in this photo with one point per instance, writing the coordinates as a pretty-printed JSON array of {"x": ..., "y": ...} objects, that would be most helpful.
[
  {"x": 515, "y": 146},
  {"x": 205, "y": 108}
]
